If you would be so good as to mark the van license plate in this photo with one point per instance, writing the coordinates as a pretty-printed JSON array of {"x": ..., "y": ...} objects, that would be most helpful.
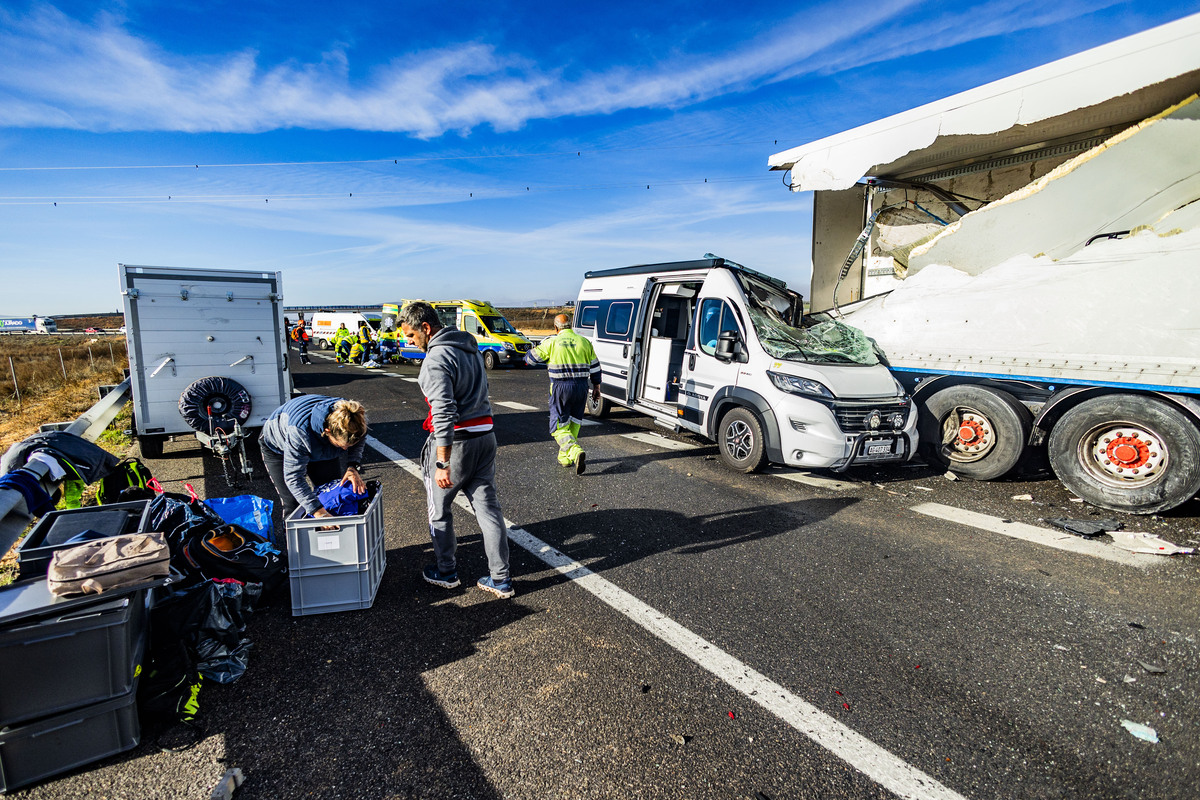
[{"x": 879, "y": 449}]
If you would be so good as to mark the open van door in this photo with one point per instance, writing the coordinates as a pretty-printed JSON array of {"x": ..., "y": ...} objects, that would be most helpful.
[
  {"x": 715, "y": 349},
  {"x": 637, "y": 348}
]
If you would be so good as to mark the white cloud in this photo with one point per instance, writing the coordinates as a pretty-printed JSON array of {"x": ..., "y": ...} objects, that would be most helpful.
[{"x": 61, "y": 72}]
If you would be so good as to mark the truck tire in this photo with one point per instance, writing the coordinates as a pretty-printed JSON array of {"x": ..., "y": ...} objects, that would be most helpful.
[
  {"x": 490, "y": 359},
  {"x": 151, "y": 446},
  {"x": 597, "y": 408},
  {"x": 1127, "y": 453},
  {"x": 323, "y": 344},
  {"x": 740, "y": 441},
  {"x": 214, "y": 403},
  {"x": 987, "y": 430}
]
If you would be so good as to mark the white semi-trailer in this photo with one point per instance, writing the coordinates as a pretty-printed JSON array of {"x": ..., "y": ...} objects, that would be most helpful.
[{"x": 1025, "y": 254}]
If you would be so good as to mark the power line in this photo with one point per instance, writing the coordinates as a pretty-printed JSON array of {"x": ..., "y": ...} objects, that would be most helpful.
[
  {"x": 397, "y": 160},
  {"x": 266, "y": 197}
]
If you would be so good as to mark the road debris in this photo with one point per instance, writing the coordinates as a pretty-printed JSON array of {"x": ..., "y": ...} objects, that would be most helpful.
[
  {"x": 950, "y": 476},
  {"x": 229, "y": 783},
  {"x": 680, "y": 738},
  {"x": 1130, "y": 679},
  {"x": 923, "y": 488},
  {"x": 1086, "y": 528},
  {"x": 1144, "y": 732},
  {"x": 1022, "y": 497},
  {"x": 1153, "y": 669},
  {"x": 1137, "y": 542}
]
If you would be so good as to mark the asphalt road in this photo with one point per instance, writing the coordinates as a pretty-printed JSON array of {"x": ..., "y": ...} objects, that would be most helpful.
[{"x": 705, "y": 634}]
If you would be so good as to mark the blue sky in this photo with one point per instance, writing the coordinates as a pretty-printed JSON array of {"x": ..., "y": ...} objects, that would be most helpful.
[{"x": 499, "y": 150}]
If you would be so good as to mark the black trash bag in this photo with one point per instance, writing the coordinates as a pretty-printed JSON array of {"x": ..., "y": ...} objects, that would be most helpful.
[
  {"x": 179, "y": 518},
  {"x": 222, "y": 647}
]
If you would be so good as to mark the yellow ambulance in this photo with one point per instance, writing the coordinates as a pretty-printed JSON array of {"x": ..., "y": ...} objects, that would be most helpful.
[{"x": 499, "y": 342}]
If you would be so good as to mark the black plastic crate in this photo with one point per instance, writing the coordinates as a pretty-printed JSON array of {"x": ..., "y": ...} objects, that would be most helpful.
[
  {"x": 65, "y": 658},
  {"x": 54, "y": 529},
  {"x": 46, "y": 747}
]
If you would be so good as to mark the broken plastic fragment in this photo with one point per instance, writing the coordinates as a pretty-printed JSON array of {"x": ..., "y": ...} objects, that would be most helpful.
[
  {"x": 1140, "y": 731},
  {"x": 1136, "y": 542},
  {"x": 1086, "y": 527},
  {"x": 1153, "y": 669},
  {"x": 731, "y": 716},
  {"x": 1130, "y": 679},
  {"x": 1022, "y": 497},
  {"x": 950, "y": 476}
]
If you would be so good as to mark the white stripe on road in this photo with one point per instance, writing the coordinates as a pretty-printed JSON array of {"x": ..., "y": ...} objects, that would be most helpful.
[
  {"x": 1060, "y": 540},
  {"x": 878, "y": 764},
  {"x": 660, "y": 441},
  {"x": 586, "y": 421},
  {"x": 516, "y": 406},
  {"x": 809, "y": 479}
]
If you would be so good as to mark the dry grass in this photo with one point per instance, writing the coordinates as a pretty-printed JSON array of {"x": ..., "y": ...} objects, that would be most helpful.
[
  {"x": 534, "y": 320},
  {"x": 45, "y": 394}
]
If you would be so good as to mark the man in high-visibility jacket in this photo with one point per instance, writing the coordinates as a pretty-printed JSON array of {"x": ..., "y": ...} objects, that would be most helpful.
[
  {"x": 361, "y": 349},
  {"x": 340, "y": 336},
  {"x": 574, "y": 371},
  {"x": 389, "y": 345}
]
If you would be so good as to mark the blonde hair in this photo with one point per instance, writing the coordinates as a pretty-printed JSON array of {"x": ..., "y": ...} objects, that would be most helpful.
[{"x": 347, "y": 422}]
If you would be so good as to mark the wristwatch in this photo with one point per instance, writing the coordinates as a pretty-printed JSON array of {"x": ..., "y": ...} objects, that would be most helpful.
[
  {"x": 441, "y": 464},
  {"x": 357, "y": 467}
]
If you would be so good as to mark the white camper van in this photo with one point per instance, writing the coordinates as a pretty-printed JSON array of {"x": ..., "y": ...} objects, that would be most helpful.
[
  {"x": 714, "y": 348},
  {"x": 325, "y": 324}
]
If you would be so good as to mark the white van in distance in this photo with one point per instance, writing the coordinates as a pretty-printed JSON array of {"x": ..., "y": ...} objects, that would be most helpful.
[{"x": 714, "y": 348}]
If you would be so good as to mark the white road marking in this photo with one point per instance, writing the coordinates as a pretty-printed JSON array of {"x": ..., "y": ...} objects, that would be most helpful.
[
  {"x": 814, "y": 480},
  {"x": 516, "y": 406},
  {"x": 1060, "y": 540},
  {"x": 878, "y": 764},
  {"x": 659, "y": 441},
  {"x": 586, "y": 421}
]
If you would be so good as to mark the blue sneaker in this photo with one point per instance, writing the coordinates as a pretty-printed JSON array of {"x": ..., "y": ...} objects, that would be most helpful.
[
  {"x": 503, "y": 590},
  {"x": 446, "y": 580}
]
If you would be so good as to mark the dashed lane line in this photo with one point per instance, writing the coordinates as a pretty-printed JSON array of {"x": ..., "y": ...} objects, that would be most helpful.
[
  {"x": 808, "y": 479},
  {"x": 877, "y": 763},
  {"x": 515, "y": 405},
  {"x": 1059, "y": 540}
]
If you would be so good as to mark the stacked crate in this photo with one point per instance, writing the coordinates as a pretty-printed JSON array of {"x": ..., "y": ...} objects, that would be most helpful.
[{"x": 336, "y": 563}]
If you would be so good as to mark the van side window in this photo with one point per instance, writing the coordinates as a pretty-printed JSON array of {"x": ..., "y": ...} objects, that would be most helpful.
[
  {"x": 471, "y": 325},
  {"x": 587, "y": 317},
  {"x": 715, "y": 318},
  {"x": 619, "y": 315},
  {"x": 448, "y": 315}
]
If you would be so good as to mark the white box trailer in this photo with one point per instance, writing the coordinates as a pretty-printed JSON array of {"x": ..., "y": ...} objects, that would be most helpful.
[
  {"x": 207, "y": 353},
  {"x": 1024, "y": 254}
]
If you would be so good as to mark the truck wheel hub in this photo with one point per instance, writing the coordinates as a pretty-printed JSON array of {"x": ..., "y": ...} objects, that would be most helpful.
[{"x": 1128, "y": 453}]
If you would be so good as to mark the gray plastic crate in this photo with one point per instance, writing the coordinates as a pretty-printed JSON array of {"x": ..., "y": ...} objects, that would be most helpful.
[
  {"x": 71, "y": 658},
  {"x": 38, "y": 750},
  {"x": 37, "y": 548},
  {"x": 335, "y": 570}
]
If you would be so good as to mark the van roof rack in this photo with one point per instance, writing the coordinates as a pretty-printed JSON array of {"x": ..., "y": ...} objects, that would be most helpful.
[{"x": 685, "y": 266}]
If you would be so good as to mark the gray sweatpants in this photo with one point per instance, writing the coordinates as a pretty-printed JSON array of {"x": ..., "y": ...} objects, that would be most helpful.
[{"x": 473, "y": 470}]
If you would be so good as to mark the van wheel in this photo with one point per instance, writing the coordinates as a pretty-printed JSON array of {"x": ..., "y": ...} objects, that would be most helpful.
[
  {"x": 978, "y": 433},
  {"x": 1126, "y": 453},
  {"x": 597, "y": 408},
  {"x": 323, "y": 344},
  {"x": 490, "y": 361},
  {"x": 740, "y": 441},
  {"x": 151, "y": 446}
]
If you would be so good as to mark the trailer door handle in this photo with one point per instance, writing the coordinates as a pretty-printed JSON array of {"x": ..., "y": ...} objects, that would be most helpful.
[
  {"x": 692, "y": 361},
  {"x": 625, "y": 351},
  {"x": 243, "y": 359}
]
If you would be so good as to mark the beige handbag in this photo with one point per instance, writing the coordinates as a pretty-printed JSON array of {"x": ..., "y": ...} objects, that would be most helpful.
[{"x": 112, "y": 563}]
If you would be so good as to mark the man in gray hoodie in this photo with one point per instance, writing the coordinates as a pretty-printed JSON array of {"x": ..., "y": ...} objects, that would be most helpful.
[{"x": 460, "y": 453}]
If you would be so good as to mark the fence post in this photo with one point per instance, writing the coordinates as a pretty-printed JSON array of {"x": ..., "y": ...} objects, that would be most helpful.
[
  {"x": 16, "y": 388},
  {"x": 62, "y": 363},
  {"x": 91, "y": 359},
  {"x": 112, "y": 357}
]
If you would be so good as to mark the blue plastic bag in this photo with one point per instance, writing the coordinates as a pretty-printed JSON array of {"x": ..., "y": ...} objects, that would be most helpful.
[
  {"x": 250, "y": 512},
  {"x": 340, "y": 498}
]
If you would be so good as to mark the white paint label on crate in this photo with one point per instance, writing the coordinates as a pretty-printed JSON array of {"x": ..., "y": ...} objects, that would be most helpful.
[{"x": 329, "y": 542}]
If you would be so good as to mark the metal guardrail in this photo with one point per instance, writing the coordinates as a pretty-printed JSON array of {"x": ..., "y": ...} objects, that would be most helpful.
[{"x": 90, "y": 425}]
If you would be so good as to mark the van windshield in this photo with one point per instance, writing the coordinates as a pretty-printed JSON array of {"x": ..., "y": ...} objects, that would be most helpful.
[
  {"x": 497, "y": 324},
  {"x": 828, "y": 342}
]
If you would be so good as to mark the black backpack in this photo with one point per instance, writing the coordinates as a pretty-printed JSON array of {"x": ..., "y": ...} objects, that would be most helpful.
[
  {"x": 231, "y": 551},
  {"x": 128, "y": 480}
]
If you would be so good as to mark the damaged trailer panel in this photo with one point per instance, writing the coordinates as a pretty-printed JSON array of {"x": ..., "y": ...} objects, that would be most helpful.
[{"x": 1043, "y": 298}]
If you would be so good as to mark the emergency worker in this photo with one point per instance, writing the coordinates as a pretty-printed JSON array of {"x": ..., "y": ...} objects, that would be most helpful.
[
  {"x": 302, "y": 336},
  {"x": 360, "y": 350},
  {"x": 342, "y": 339},
  {"x": 389, "y": 346},
  {"x": 572, "y": 364}
]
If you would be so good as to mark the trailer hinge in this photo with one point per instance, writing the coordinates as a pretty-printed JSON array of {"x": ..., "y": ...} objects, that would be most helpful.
[
  {"x": 229, "y": 296},
  {"x": 183, "y": 294},
  {"x": 132, "y": 294},
  {"x": 274, "y": 297},
  {"x": 170, "y": 359},
  {"x": 245, "y": 358}
]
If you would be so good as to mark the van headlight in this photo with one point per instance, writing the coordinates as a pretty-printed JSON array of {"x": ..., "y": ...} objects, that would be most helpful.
[
  {"x": 509, "y": 346},
  {"x": 796, "y": 385}
]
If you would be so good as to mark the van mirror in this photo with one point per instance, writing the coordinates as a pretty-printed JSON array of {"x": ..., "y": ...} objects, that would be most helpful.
[{"x": 729, "y": 347}]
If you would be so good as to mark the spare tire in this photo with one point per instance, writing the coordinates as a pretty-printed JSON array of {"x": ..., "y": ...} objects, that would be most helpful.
[{"x": 214, "y": 403}]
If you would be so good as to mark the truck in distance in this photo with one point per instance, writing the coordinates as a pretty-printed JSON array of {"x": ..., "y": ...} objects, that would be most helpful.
[{"x": 34, "y": 324}]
